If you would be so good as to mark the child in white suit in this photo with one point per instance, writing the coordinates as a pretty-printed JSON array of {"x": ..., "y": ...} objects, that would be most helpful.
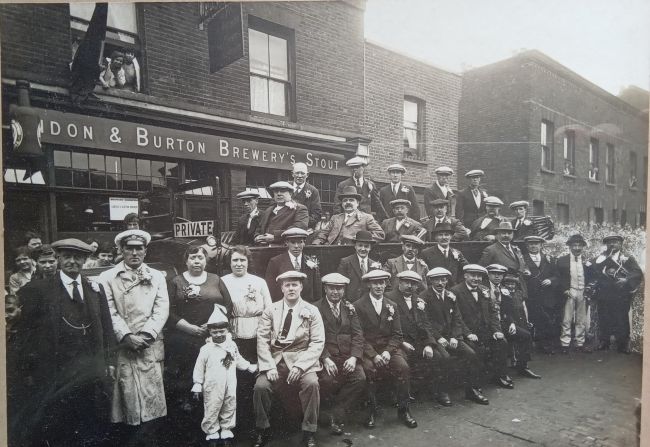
[{"x": 215, "y": 377}]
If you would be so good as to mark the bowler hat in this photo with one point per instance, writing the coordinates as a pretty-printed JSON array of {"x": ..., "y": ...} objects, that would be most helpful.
[
  {"x": 363, "y": 236},
  {"x": 350, "y": 191},
  {"x": 444, "y": 226},
  {"x": 576, "y": 238}
]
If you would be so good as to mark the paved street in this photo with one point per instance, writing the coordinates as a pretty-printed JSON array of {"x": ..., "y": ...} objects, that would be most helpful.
[{"x": 583, "y": 400}]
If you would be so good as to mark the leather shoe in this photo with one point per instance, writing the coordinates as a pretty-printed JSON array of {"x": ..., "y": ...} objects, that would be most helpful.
[
  {"x": 371, "y": 423},
  {"x": 308, "y": 439},
  {"x": 503, "y": 383},
  {"x": 475, "y": 395},
  {"x": 603, "y": 346},
  {"x": 404, "y": 415},
  {"x": 335, "y": 427},
  {"x": 443, "y": 399},
  {"x": 528, "y": 373},
  {"x": 508, "y": 378},
  {"x": 548, "y": 350},
  {"x": 261, "y": 439},
  {"x": 564, "y": 350},
  {"x": 227, "y": 442},
  {"x": 585, "y": 349}
]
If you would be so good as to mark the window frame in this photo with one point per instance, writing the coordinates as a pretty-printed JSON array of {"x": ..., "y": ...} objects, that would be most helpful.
[
  {"x": 610, "y": 164},
  {"x": 547, "y": 145},
  {"x": 419, "y": 153},
  {"x": 569, "y": 153},
  {"x": 594, "y": 159},
  {"x": 633, "y": 181}
]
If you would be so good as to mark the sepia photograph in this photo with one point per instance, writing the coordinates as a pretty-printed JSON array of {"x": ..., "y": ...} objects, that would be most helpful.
[{"x": 324, "y": 223}]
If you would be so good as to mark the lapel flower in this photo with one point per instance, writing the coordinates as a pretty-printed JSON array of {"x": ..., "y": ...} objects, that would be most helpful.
[
  {"x": 451, "y": 296},
  {"x": 251, "y": 293},
  {"x": 391, "y": 311},
  {"x": 307, "y": 193},
  {"x": 375, "y": 265},
  {"x": 192, "y": 291},
  {"x": 548, "y": 259},
  {"x": 94, "y": 286},
  {"x": 505, "y": 292},
  {"x": 600, "y": 259},
  {"x": 485, "y": 292},
  {"x": 144, "y": 275},
  {"x": 405, "y": 189},
  {"x": 483, "y": 194},
  {"x": 312, "y": 262},
  {"x": 455, "y": 254},
  {"x": 420, "y": 304},
  {"x": 622, "y": 259},
  {"x": 305, "y": 314},
  {"x": 407, "y": 224},
  {"x": 527, "y": 222},
  {"x": 290, "y": 204},
  {"x": 348, "y": 305},
  {"x": 588, "y": 263}
]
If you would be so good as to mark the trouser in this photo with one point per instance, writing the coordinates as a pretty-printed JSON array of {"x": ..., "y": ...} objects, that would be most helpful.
[
  {"x": 417, "y": 358},
  {"x": 398, "y": 368},
  {"x": 308, "y": 391},
  {"x": 494, "y": 352},
  {"x": 344, "y": 390},
  {"x": 613, "y": 319},
  {"x": 442, "y": 365},
  {"x": 522, "y": 342},
  {"x": 575, "y": 309},
  {"x": 543, "y": 318}
]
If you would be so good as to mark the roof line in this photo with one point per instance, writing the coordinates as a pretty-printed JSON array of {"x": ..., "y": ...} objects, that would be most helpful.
[{"x": 409, "y": 56}]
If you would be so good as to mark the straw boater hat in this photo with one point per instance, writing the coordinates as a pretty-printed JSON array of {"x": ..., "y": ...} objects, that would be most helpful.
[{"x": 132, "y": 237}]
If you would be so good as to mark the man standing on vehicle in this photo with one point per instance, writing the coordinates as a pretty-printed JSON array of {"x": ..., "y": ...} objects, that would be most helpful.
[
  {"x": 284, "y": 214},
  {"x": 397, "y": 190},
  {"x": 369, "y": 201},
  {"x": 248, "y": 222},
  {"x": 306, "y": 194}
]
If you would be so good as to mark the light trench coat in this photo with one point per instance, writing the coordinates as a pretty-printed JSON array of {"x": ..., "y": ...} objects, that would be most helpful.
[{"x": 137, "y": 306}]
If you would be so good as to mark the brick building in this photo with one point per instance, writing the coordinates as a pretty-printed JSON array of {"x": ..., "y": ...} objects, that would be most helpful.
[{"x": 545, "y": 134}]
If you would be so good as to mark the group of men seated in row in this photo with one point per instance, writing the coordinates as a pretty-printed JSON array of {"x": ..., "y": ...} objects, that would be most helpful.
[{"x": 387, "y": 213}]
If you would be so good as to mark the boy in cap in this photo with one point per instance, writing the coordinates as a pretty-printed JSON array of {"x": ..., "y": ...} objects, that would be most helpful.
[
  {"x": 470, "y": 202},
  {"x": 215, "y": 378},
  {"x": 248, "y": 222},
  {"x": 306, "y": 194},
  {"x": 358, "y": 264},
  {"x": 369, "y": 201},
  {"x": 484, "y": 226},
  {"x": 440, "y": 190},
  {"x": 443, "y": 255},
  {"x": 520, "y": 223},
  {"x": 285, "y": 213},
  {"x": 401, "y": 223},
  {"x": 397, "y": 190},
  {"x": 408, "y": 260}
]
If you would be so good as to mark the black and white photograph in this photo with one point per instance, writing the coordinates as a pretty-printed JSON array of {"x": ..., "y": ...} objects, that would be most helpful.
[{"x": 341, "y": 223}]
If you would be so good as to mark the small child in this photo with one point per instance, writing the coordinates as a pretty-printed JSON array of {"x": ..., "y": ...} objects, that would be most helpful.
[{"x": 215, "y": 377}]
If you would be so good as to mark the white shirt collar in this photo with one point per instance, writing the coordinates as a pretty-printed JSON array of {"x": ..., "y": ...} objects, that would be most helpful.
[
  {"x": 442, "y": 249},
  {"x": 66, "y": 280},
  {"x": 294, "y": 258},
  {"x": 376, "y": 300}
]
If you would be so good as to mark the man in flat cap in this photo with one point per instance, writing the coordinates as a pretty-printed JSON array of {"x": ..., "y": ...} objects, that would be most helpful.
[
  {"x": 401, "y": 223},
  {"x": 408, "y": 260},
  {"x": 284, "y": 214},
  {"x": 383, "y": 354},
  {"x": 248, "y": 222},
  {"x": 443, "y": 255},
  {"x": 343, "y": 381},
  {"x": 448, "y": 329},
  {"x": 352, "y": 220},
  {"x": 396, "y": 189},
  {"x": 306, "y": 194},
  {"x": 470, "y": 202},
  {"x": 369, "y": 201},
  {"x": 294, "y": 259},
  {"x": 63, "y": 349},
  {"x": 358, "y": 264},
  {"x": 139, "y": 305},
  {"x": 619, "y": 277},
  {"x": 482, "y": 229},
  {"x": 522, "y": 225},
  {"x": 439, "y": 216},
  {"x": 440, "y": 190},
  {"x": 290, "y": 341}
]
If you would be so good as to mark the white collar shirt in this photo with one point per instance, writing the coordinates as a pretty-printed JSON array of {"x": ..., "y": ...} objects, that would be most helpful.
[
  {"x": 409, "y": 302},
  {"x": 410, "y": 263},
  {"x": 444, "y": 250},
  {"x": 295, "y": 260},
  {"x": 277, "y": 209},
  {"x": 443, "y": 188},
  {"x": 295, "y": 320},
  {"x": 377, "y": 303},
  {"x": 251, "y": 216},
  {"x": 537, "y": 258},
  {"x": 67, "y": 283},
  {"x": 577, "y": 272},
  {"x": 395, "y": 187},
  {"x": 476, "y": 194}
]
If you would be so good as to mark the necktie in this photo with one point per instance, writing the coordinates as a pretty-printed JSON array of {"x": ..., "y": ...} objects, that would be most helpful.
[
  {"x": 395, "y": 190},
  {"x": 335, "y": 311},
  {"x": 364, "y": 267},
  {"x": 446, "y": 253},
  {"x": 286, "y": 326},
  {"x": 76, "y": 296},
  {"x": 296, "y": 264},
  {"x": 475, "y": 192},
  {"x": 577, "y": 258},
  {"x": 359, "y": 182}
]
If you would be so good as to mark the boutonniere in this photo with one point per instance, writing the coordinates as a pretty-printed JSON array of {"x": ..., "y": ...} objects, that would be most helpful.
[
  {"x": 251, "y": 293},
  {"x": 305, "y": 314},
  {"x": 405, "y": 189},
  {"x": 505, "y": 292},
  {"x": 311, "y": 261},
  {"x": 308, "y": 193},
  {"x": 192, "y": 291},
  {"x": 407, "y": 225},
  {"x": 485, "y": 293},
  {"x": 548, "y": 259},
  {"x": 600, "y": 259},
  {"x": 420, "y": 304},
  {"x": 391, "y": 311},
  {"x": 527, "y": 222},
  {"x": 290, "y": 204},
  {"x": 375, "y": 265},
  {"x": 348, "y": 305},
  {"x": 94, "y": 286},
  {"x": 454, "y": 254},
  {"x": 451, "y": 296},
  {"x": 370, "y": 186},
  {"x": 483, "y": 194},
  {"x": 588, "y": 263},
  {"x": 623, "y": 259},
  {"x": 144, "y": 276}
]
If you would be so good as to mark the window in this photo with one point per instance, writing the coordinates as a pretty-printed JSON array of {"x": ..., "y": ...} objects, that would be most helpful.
[
  {"x": 547, "y": 144},
  {"x": 271, "y": 74},
  {"x": 121, "y": 36},
  {"x": 623, "y": 217},
  {"x": 538, "y": 207},
  {"x": 326, "y": 186},
  {"x": 614, "y": 216},
  {"x": 413, "y": 134},
  {"x": 594, "y": 160},
  {"x": 610, "y": 162},
  {"x": 633, "y": 181},
  {"x": 563, "y": 213},
  {"x": 598, "y": 216},
  {"x": 570, "y": 153}
]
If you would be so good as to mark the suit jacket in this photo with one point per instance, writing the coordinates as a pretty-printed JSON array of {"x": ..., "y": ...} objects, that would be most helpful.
[
  {"x": 297, "y": 217},
  {"x": 479, "y": 317},
  {"x": 341, "y": 233},
  {"x": 307, "y": 346},
  {"x": 564, "y": 272},
  {"x": 398, "y": 264},
  {"x": 312, "y": 203},
  {"x": 543, "y": 296},
  {"x": 454, "y": 263},
  {"x": 460, "y": 232},
  {"x": 311, "y": 290},
  {"x": 343, "y": 335},
  {"x": 607, "y": 284},
  {"x": 244, "y": 235},
  {"x": 496, "y": 253},
  {"x": 382, "y": 332},
  {"x": 478, "y": 233},
  {"x": 416, "y": 328},
  {"x": 434, "y": 192},
  {"x": 526, "y": 228},
  {"x": 466, "y": 209},
  {"x": 410, "y": 226},
  {"x": 405, "y": 192},
  {"x": 369, "y": 203},
  {"x": 444, "y": 315},
  {"x": 350, "y": 268},
  {"x": 512, "y": 310}
]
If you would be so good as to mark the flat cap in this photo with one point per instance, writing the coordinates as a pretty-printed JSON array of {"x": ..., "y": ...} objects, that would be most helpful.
[
  {"x": 504, "y": 225},
  {"x": 356, "y": 161},
  {"x": 295, "y": 233},
  {"x": 281, "y": 185},
  {"x": 475, "y": 173},
  {"x": 496, "y": 268},
  {"x": 444, "y": 170},
  {"x": 72, "y": 245},
  {"x": 291, "y": 274},
  {"x": 493, "y": 200},
  {"x": 133, "y": 237},
  {"x": 440, "y": 202},
  {"x": 411, "y": 238},
  {"x": 248, "y": 195},
  {"x": 612, "y": 237},
  {"x": 335, "y": 279},
  {"x": 374, "y": 275},
  {"x": 534, "y": 239},
  {"x": 409, "y": 275},
  {"x": 400, "y": 202},
  {"x": 438, "y": 271},
  {"x": 474, "y": 268},
  {"x": 519, "y": 203},
  {"x": 396, "y": 167}
]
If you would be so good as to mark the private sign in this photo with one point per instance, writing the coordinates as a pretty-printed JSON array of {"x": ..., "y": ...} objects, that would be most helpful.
[{"x": 200, "y": 228}]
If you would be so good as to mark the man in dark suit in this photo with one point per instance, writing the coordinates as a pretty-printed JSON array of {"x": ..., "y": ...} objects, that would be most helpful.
[
  {"x": 522, "y": 225},
  {"x": 401, "y": 223},
  {"x": 248, "y": 222},
  {"x": 482, "y": 229},
  {"x": 380, "y": 322},
  {"x": 447, "y": 326},
  {"x": 503, "y": 252},
  {"x": 306, "y": 194},
  {"x": 482, "y": 327},
  {"x": 342, "y": 379},
  {"x": 442, "y": 255},
  {"x": 285, "y": 213},
  {"x": 294, "y": 259},
  {"x": 398, "y": 190},
  {"x": 408, "y": 260},
  {"x": 619, "y": 277},
  {"x": 369, "y": 201},
  {"x": 358, "y": 264},
  {"x": 439, "y": 216},
  {"x": 470, "y": 202},
  {"x": 63, "y": 351},
  {"x": 542, "y": 300},
  {"x": 440, "y": 190}
]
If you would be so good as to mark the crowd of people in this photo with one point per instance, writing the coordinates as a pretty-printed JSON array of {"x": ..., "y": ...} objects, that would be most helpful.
[{"x": 136, "y": 348}]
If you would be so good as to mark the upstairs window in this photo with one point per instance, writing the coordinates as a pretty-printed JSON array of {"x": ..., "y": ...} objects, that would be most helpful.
[
  {"x": 546, "y": 138},
  {"x": 413, "y": 129},
  {"x": 633, "y": 181},
  {"x": 570, "y": 153},
  {"x": 594, "y": 160},
  {"x": 610, "y": 161}
]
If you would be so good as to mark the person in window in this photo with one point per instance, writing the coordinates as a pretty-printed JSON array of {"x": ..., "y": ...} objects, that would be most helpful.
[
  {"x": 633, "y": 181},
  {"x": 249, "y": 221},
  {"x": 113, "y": 75},
  {"x": 306, "y": 194},
  {"x": 398, "y": 190},
  {"x": 470, "y": 202},
  {"x": 593, "y": 173},
  {"x": 131, "y": 71},
  {"x": 568, "y": 168},
  {"x": 284, "y": 214},
  {"x": 23, "y": 270},
  {"x": 33, "y": 240}
]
